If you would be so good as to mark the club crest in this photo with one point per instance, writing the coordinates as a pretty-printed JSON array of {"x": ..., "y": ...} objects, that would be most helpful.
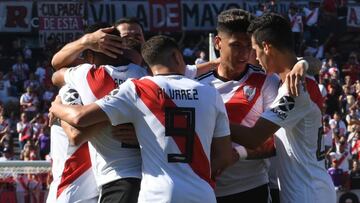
[{"x": 249, "y": 92}]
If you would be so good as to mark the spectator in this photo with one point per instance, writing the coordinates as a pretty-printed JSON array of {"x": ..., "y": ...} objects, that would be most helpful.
[
  {"x": 40, "y": 71},
  {"x": 24, "y": 129},
  {"x": 44, "y": 142},
  {"x": 352, "y": 67},
  {"x": 29, "y": 102},
  {"x": 261, "y": 9},
  {"x": 311, "y": 21},
  {"x": 337, "y": 175},
  {"x": 332, "y": 104},
  {"x": 32, "y": 82},
  {"x": 29, "y": 152},
  {"x": 5, "y": 89},
  {"x": 4, "y": 126},
  {"x": 7, "y": 142},
  {"x": 201, "y": 58},
  {"x": 37, "y": 125},
  {"x": 296, "y": 26},
  {"x": 315, "y": 49},
  {"x": 355, "y": 175},
  {"x": 337, "y": 123},
  {"x": 6, "y": 155},
  {"x": 21, "y": 71}
]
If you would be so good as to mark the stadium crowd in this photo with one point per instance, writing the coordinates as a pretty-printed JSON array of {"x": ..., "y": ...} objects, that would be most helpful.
[{"x": 26, "y": 90}]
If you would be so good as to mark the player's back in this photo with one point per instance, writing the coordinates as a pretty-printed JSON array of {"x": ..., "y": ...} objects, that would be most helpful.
[
  {"x": 112, "y": 159},
  {"x": 176, "y": 119},
  {"x": 301, "y": 167}
]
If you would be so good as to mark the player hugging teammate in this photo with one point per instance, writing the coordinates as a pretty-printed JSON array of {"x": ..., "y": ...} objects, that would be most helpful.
[{"x": 170, "y": 138}]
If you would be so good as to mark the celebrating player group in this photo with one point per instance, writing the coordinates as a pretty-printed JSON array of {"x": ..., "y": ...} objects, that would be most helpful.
[{"x": 134, "y": 123}]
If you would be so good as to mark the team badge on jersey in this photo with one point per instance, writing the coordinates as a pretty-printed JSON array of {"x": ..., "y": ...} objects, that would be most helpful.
[{"x": 249, "y": 92}]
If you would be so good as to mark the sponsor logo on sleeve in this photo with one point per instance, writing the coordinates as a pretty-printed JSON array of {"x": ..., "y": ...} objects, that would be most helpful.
[{"x": 285, "y": 105}]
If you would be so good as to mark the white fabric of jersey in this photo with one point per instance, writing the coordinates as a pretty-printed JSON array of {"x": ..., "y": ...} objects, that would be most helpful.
[
  {"x": 244, "y": 174},
  {"x": 163, "y": 181},
  {"x": 302, "y": 177},
  {"x": 83, "y": 189},
  {"x": 110, "y": 160}
]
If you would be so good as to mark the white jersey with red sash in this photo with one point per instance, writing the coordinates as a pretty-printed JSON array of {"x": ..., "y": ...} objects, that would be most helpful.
[
  {"x": 73, "y": 178},
  {"x": 176, "y": 119},
  {"x": 245, "y": 99},
  {"x": 299, "y": 147},
  {"x": 111, "y": 159}
]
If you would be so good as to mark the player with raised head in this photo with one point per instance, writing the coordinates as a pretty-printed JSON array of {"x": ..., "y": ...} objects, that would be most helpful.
[
  {"x": 73, "y": 178},
  {"x": 168, "y": 112},
  {"x": 117, "y": 165},
  {"x": 296, "y": 121}
]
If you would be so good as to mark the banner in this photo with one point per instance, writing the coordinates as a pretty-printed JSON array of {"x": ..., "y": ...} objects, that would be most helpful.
[
  {"x": 353, "y": 16},
  {"x": 172, "y": 15},
  {"x": 62, "y": 21},
  {"x": 15, "y": 16}
]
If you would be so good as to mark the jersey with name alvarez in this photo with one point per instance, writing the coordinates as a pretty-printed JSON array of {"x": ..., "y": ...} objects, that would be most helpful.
[
  {"x": 176, "y": 158},
  {"x": 73, "y": 178},
  {"x": 245, "y": 100},
  {"x": 111, "y": 159},
  {"x": 300, "y": 165}
]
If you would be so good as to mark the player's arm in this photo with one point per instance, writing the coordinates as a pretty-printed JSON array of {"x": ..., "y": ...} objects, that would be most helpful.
[
  {"x": 306, "y": 65},
  {"x": 58, "y": 77},
  {"x": 78, "y": 115},
  {"x": 221, "y": 155},
  {"x": 265, "y": 150},
  {"x": 99, "y": 41},
  {"x": 263, "y": 129},
  {"x": 78, "y": 136},
  {"x": 207, "y": 66}
]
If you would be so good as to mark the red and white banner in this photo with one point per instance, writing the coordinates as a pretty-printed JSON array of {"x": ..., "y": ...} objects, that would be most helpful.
[
  {"x": 16, "y": 16},
  {"x": 62, "y": 21}
]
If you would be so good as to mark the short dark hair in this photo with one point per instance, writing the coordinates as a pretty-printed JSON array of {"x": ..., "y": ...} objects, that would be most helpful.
[
  {"x": 274, "y": 29},
  {"x": 96, "y": 26},
  {"x": 155, "y": 50},
  {"x": 129, "y": 21},
  {"x": 234, "y": 20},
  {"x": 127, "y": 43}
]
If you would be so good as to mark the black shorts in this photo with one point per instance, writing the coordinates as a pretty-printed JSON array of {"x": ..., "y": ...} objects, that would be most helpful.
[
  {"x": 259, "y": 194},
  {"x": 125, "y": 190}
]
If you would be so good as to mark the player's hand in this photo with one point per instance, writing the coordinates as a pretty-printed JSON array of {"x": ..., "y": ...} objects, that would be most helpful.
[
  {"x": 52, "y": 117},
  {"x": 296, "y": 78},
  {"x": 125, "y": 133},
  {"x": 102, "y": 41}
]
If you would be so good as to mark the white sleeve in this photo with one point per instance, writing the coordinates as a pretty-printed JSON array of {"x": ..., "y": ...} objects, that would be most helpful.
[
  {"x": 190, "y": 71},
  {"x": 120, "y": 107},
  {"x": 287, "y": 111},
  {"x": 222, "y": 121},
  {"x": 270, "y": 90},
  {"x": 74, "y": 75}
]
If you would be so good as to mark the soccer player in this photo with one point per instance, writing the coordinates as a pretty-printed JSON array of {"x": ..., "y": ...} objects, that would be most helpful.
[
  {"x": 168, "y": 112},
  {"x": 117, "y": 165},
  {"x": 295, "y": 120},
  {"x": 104, "y": 42},
  {"x": 73, "y": 178},
  {"x": 247, "y": 92}
]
